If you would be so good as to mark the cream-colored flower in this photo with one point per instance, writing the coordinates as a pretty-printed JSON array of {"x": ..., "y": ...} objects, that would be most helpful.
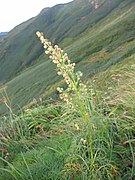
[
  {"x": 77, "y": 127},
  {"x": 38, "y": 34},
  {"x": 83, "y": 141}
]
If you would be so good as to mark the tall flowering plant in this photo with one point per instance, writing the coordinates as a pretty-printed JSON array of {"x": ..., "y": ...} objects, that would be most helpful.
[{"x": 75, "y": 94}]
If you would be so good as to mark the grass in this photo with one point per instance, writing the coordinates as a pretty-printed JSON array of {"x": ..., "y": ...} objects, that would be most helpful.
[
  {"x": 37, "y": 149},
  {"x": 41, "y": 144}
]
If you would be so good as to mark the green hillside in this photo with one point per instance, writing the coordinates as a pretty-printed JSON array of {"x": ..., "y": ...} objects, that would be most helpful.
[
  {"x": 95, "y": 39},
  {"x": 86, "y": 128},
  {"x": 57, "y": 22}
]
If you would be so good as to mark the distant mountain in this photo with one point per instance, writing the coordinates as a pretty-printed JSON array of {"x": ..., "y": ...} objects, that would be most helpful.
[
  {"x": 3, "y": 33},
  {"x": 96, "y": 34},
  {"x": 2, "y": 36}
]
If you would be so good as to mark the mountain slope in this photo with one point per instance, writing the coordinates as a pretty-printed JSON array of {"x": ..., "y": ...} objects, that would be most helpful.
[
  {"x": 57, "y": 22},
  {"x": 107, "y": 37}
]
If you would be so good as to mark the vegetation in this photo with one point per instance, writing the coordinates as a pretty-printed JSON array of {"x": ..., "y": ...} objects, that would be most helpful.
[
  {"x": 90, "y": 132},
  {"x": 86, "y": 139}
]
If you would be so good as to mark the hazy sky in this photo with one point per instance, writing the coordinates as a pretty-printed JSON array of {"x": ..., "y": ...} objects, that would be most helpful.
[{"x": 14, "y": 12}]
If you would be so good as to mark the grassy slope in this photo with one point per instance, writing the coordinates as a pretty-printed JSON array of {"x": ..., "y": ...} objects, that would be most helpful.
[
  {"x": 43, "y": 143},
  {"x": 105, "y": 43},
  {"x": 22, "y": 47}
]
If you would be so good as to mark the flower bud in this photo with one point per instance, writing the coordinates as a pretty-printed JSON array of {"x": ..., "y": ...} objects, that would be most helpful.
[{"x": 38, "y": 34}]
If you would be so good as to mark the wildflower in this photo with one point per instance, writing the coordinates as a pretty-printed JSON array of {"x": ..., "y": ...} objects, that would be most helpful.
[
  {"x": 60, "y": 89},
  {"x": 56, "y": 47},
  {"x": 59, "y": 73},
  {"x": 38, "y": 34},
  {"x": 66, "y": 69},
  {"x": 76, "y": 105},
  {"x": 77, "y": 127},
  {"x": 46, "y": 52},
  {"x": 42, "y": 39},
  {"x": 94, "y": 127},
  {"x": 73, "y": 64},
  {"x": 83, "y": 141},
  {"x": 110, "y": 88}
]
